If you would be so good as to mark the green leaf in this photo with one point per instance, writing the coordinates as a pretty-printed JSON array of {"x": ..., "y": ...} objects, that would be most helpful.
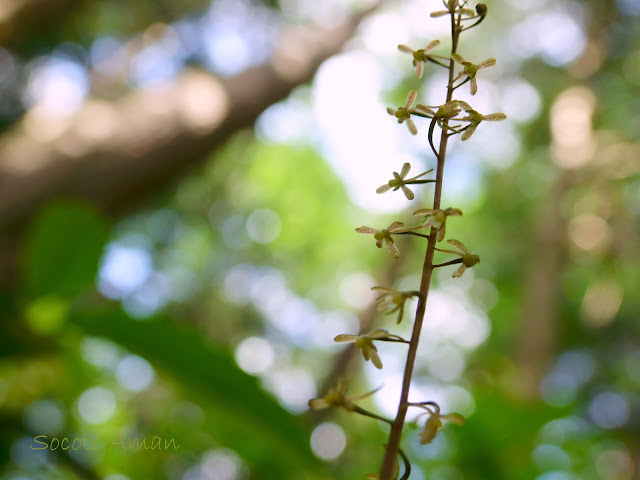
[
  {"x": 245, "y": 418},
  {"x": 63, "y": 249}
]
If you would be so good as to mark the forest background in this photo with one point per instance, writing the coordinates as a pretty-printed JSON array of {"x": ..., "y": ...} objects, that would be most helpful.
[{"x": 179, "y": 187}]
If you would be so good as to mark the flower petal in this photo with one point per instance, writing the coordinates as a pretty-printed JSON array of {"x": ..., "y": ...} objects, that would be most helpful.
[
  {"x": 454, "y": 418},
  {"x": 318, "y": 404},
  {"x": 474, "y": 86},
  {"x": 375, "y": 359},
  {"x": 464, "y": 105},
  {"x": 489, "y": 62},
  {"x": 439, "y": 13},
  {"x": 458, "y": 58},
  {"x": 423, "y": 211},
  {"x": 458, "y": 245},
  {"x": 411, "y": 98},
  {"x": 393, "y": 249},
  {"x": 377, "y": 334},
  {"x": 345, "y": 338},
  {"x": 424, "y": 109},
  {"x": 405, "y": 170},
  {"x": 461, "y": 269},
  {"x": 367, "y": 230},
  {"x": 383, "y": 188},
  {"x": 395, "y": 226},
  {"x": 419, "y": 70},
  {"x": 412, "y": 127},
  {"x": 405, "y": 49},
  {"x": 453, "y": 212},
  {"x": 407, "y": 192},
  {"x": 442, "y": 231},
  {"x": 468, "y": 132},
  {"x": 431, "y": 46},
  {"x": 495, "y": 117},
  {"x": 384, "y": 289},
  {"x": 391, "y": 111}
]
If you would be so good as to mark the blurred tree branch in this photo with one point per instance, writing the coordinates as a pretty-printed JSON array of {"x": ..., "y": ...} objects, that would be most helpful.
[
  {"x": 21, "y": 18},
  {"x": 117, "y": 154}
]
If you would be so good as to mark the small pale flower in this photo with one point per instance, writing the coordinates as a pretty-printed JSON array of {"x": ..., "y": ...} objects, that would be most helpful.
[
  {"x": 434, "y": 423},
  {"x": 468, "y": 259},
  {"x": 403, "y": 114},
  {"x": 393, "y": 300},
  {"x": 385, "y": 236},
  {"x": 420, "y": 56},
  {"x": 365, "y": 343},
  {"x": 471, "y": 69},
  {"x": 336, "y": 398},
  {"x": 438, "y": 219},
  {"x": 398, "y": 181},
  {"x": 452, "y": 6},
  {"x": 475, "y": 118}
]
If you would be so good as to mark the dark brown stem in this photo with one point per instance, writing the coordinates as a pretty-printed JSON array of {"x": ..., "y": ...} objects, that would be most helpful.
[
  {"x": 393, "y": 444},
  {"x": 367, "y": 413},
  {"x": 450, "y": 262}
]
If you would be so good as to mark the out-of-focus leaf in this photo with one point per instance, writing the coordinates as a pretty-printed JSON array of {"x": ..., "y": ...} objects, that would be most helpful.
[
  {"x": 63, "y": 249},
  {"x": 247, "y": 419}
]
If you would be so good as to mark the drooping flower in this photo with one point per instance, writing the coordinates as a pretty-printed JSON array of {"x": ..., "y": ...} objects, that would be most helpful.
[
  {"x": 434, "y": 423},
  {"x": 468, "y": 259},
  {"x": 403, "y": 114},
  {"x": 336, "y": 398},
  {"x": 471, "y": 69},
  {"x": 365, "y": 343},
  {"x": 437, "y": 218},
  {"x": 420, "y": 56},
  {"x": 475, "y": 118},
  {"x": 393, "y": 300},
  {"x": 385, "y": 236},
  {"x": 398, "y": 181}
]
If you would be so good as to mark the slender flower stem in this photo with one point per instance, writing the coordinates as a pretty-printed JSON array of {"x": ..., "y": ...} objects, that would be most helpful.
[
  {"x": 367, "y": 413},
  {"x": 450, "y": 262},
  {"x": 393, "y": 443},
  {"x": 413, "y": 233}
]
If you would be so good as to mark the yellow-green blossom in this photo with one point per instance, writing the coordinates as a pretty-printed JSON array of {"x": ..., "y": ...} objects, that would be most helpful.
[
  {"x": 434, "y": 423},
  {"x": 398, "y": 181},
  {"x": 336, "y": 398},
  {"x": 471, "y": 69},
  {"x": 468, "y": 259},
  {"x": 438, "y": 218},
  {"x": 451, "y": 7},
  {"x": 474, "y": 118},
  {"x": 420, "y": 56},
  {"x": 365, "y": 343},
  {"x": 403, "y": 114},
  {"x": 384, "y": 236},
  {"x": 393, "y": 300}
]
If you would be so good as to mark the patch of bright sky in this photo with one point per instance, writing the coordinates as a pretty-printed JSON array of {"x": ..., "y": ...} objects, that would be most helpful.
[
  {"x": 360, "y": 141},
  {"x": 236, "y": 35},
  {"x": 160, "y": 61},
  {"x": 58, "y": 83},
  {"x": 555, "y": 35}
]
